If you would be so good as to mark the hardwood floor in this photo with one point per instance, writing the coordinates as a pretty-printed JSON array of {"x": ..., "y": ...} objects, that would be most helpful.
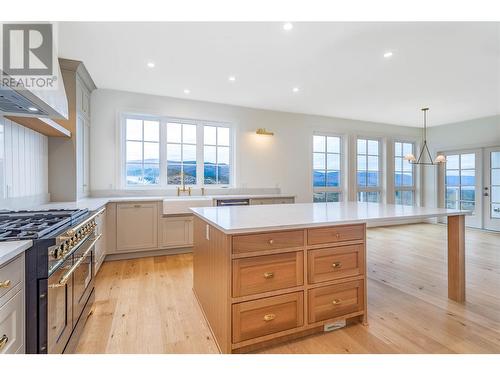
[{"x": 147, "y": 306}]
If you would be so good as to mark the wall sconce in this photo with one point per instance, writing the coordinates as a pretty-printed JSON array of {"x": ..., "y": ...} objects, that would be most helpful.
[{"x": 263, "y": 131}]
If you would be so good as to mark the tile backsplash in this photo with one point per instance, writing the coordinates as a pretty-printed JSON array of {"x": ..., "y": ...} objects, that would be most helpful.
[{"x": 23, "y": 166}]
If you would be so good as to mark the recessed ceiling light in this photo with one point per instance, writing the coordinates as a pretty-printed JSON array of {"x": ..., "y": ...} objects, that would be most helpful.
[
  {"x": 232, "y": 78},
  {"x": 186, "y": 91},
  {"x": 295, "y": 89},
  {"x": 151, "y": 64},
  {"x": 287, "y": 26},
  {"x": 388, "y": 54},
  {"x": 32, "y": 109}
]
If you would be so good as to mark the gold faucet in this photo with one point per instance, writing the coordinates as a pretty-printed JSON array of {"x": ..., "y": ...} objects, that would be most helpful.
[{"x": 183, "y": 188}]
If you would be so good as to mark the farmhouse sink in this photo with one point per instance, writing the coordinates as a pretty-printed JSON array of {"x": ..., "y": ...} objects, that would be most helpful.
[{"x": 181, "y": 205}]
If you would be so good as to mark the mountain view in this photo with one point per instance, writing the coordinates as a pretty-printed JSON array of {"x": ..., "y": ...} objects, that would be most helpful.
[
  {"x": 332, "y": 178},
  {"x": 213, "y": 173}
]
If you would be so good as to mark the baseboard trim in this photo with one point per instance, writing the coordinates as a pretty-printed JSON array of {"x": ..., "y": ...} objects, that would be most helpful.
[{"x": 147, "y": 253}]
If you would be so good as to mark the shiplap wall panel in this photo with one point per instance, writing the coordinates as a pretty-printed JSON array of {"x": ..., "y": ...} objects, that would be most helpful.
[{"x": 25, "y": 162}]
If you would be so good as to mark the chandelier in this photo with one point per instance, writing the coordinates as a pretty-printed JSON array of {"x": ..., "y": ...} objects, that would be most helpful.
[{"x": 425, "y": 150}]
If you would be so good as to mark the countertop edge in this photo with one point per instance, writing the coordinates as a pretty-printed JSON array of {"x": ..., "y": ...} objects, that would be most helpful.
[
  {"x": 10, "y": 254},
  {"x": 318, "y": 225},
  {"x": 95, "y": 203}
]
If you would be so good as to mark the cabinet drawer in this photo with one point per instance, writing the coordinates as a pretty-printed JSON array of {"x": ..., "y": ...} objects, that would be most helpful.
[
  {"x": 335, "y": 263},
  {"x": 11, "y": 274},
  {"x": 12, "y": 324},
  {"x": 265, "y": 273},
  {"x": 335, "y": 234},
  {"x": 336, "y": 300},
  {"x": 266, "y": 316},
  {"x": 267, "y": 241}
]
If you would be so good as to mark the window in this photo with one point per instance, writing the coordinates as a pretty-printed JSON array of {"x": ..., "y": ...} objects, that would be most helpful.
[
  {"x": 327, "y": 184},
  {"x": 368, "y": 170},
  {"x": 216, "y": 155},
  {"x": 142, "y": 151},
  {"x": 159, "y": 151},
  {"x": 404, "y": 174},
  {"x": 460, "y": 181},
  {"x": 181, "y": 153}
]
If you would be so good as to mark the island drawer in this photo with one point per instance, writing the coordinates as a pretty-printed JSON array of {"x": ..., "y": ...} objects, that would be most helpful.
[
  {"x": 335, "y": 300},
  {"x": 266, "y": 273},
  {"x": 11, "y": 274},
  {"x": 341, "y": 233},
  {"x": 267, "y": 241},
  {"x": 335, "y": 263},
  {"x": 267, "y": 315}
]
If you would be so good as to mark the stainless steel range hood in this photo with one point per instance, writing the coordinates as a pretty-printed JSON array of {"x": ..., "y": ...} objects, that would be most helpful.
[{"x": 34, "y": 108}]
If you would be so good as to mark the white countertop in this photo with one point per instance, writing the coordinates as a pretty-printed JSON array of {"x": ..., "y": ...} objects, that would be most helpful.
[
  {"x": 245, "y": 219},
  {"x": 93, "y": 204},
  {"x": 10, "y": 249}
]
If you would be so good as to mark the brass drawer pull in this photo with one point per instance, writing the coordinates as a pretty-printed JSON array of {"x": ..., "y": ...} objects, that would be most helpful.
[
  {"x": 5, "y": 284},
  {"x": 337, "y": 265},
  {"x": 336, "y": 302},
  {"x": 271, "y": 242},
  {"x": 268, "y": 275},
  {"x": 337, "y": 235},
  {"x": 269, "y": 317},
  {"x": 3, "y": 340}
]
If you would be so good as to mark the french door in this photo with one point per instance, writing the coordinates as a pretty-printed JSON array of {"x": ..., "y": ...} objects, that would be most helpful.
[
  {"x": 471, "y": 181},
  {"x": 491, "y": 190},
  {"x": 463, "y": 184}
]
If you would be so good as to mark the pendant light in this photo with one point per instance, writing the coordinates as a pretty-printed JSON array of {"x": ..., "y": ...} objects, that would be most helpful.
[{"x": 421, "y": 157}]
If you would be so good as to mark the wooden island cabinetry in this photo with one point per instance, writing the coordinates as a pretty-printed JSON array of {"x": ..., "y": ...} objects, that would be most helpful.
[
  {"x": 262, "y": 288},
  {"x": 265, "y": 274}
]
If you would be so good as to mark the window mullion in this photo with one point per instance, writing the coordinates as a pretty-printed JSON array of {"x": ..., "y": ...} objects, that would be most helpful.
[
  {"x": 217, "y": 155},
  {"x": 200, "y": 148}
]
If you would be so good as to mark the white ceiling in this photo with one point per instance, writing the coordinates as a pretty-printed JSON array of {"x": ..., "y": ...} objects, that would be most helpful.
[{"x": 454, "y": 68}]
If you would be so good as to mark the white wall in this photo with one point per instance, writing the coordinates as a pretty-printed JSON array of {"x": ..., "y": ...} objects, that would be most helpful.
[
  {"x": 477, "y": 133},
  {"x": 282, "y": 161},
  {"x": 23, "y": 166}
]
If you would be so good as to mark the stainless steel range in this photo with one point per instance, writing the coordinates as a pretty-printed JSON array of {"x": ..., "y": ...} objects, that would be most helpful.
[{"x": 59, "y": 274}]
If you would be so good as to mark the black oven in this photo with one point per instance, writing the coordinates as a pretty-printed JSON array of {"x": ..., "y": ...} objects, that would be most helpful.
[{"x": 64, "y": 296}]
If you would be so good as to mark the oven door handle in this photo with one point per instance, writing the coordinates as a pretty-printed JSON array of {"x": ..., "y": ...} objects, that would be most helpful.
[{"x": 64, "y": 278}]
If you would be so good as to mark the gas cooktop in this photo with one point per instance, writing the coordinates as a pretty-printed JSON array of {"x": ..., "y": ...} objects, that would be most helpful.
[{"x": 29, "y": 225}]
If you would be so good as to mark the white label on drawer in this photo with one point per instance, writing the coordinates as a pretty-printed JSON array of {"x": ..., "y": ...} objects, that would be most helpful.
[{"x": 334, "y": 325}]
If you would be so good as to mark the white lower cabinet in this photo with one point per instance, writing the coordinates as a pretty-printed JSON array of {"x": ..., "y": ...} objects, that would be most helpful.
[
  {"x": 12, "y": 313},
  {"x": 176, "y": 231},
  {"x": 136, "y": 226}
]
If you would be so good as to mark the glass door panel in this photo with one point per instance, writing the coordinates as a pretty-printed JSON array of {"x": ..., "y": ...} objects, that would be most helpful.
[
  {"x": 491, "y": 190},
  {"x": 462, "y": 184}
]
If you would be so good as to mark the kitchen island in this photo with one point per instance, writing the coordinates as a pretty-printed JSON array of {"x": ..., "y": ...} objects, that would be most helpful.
[{"x": 268, "y": 274}]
